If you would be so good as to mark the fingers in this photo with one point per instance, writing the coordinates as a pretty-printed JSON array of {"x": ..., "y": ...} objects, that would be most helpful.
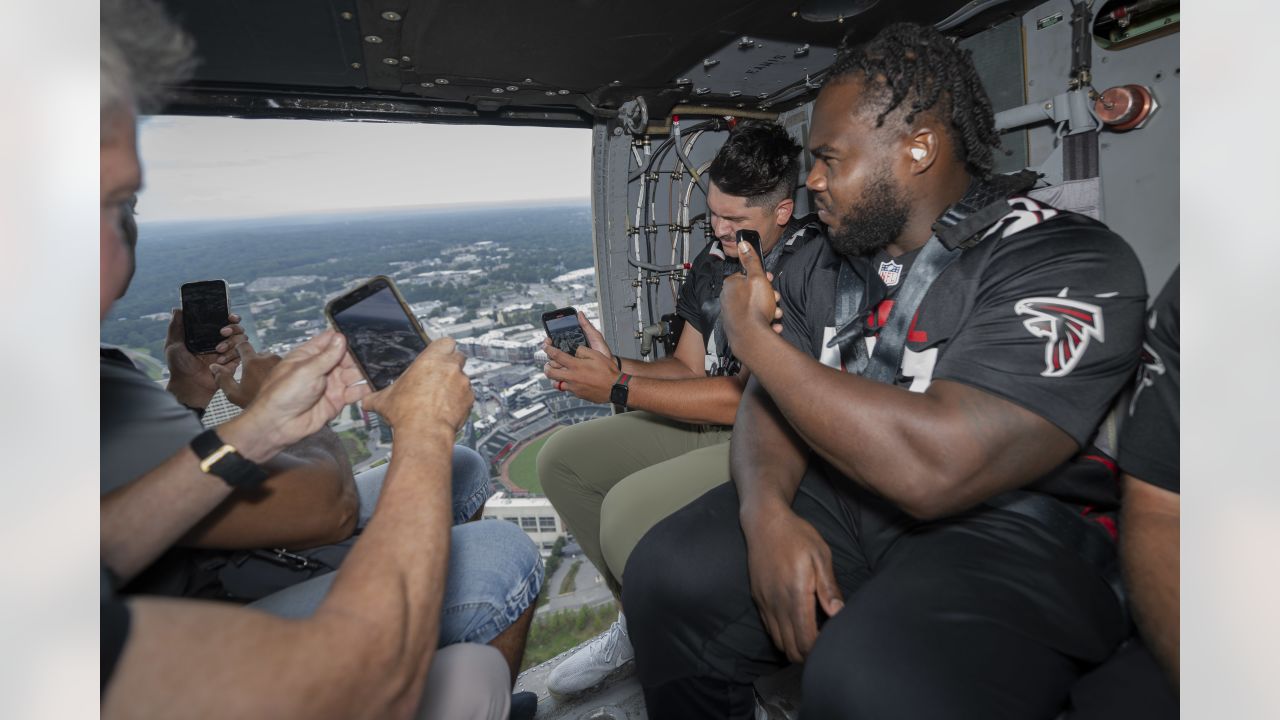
[
  {"x": 174, "y": 333},
  {"x": 327, "y": 353},
  {"x": 555, "y": 374},
  {"x": 594, "y": 338},
  {"x": 230, "y": 330},
  {"x": 225, "y": 380},
  {"x": 556, "y": 355},
  {"x": 828, "y": 592}
]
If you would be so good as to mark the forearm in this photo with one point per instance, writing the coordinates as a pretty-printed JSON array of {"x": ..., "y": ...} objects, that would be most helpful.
[
  {"x": 394, "y": 577},
  {"x": 309, "y": 499},
  {"x": 1149, "y": 554},
  {"x": 667, "y": 368},
  {"x": 766, "y": 458},
  {"x": 930, "y": 453},
  {"x": 146, "y": 517},
  {"x": 301, "y": 505},
  {"x": 694, "y": 400}
]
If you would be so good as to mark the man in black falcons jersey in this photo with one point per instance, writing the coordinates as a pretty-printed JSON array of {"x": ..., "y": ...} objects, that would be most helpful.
[
  {"x": 612, "y": 478},
  {"x": 933, "y": 541}
]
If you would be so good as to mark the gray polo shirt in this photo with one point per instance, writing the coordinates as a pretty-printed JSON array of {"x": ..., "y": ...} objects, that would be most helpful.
[{"x": 142, "y": 425}]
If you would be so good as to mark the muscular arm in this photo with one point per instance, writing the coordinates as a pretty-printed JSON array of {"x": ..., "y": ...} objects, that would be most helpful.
[
  {"x": 766, "y": 457},
  {"x": 309, "y": 500},
  {"x": 1149, "y": 552},
  {"x": 364, "y": 653},
  {"x": 933, "y": 453}
]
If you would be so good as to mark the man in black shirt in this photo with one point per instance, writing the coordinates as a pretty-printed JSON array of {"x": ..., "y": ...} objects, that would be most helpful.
[
  {"x": 873, "y": 530},
  {"x": 612, "y": 478},
  {"x": 1149, "y": 445}
]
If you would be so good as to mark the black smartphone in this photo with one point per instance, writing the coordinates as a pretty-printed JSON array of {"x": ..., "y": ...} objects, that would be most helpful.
[
  {"x": 382, "y": 333},
  {"x": 205, "y": 312},
  {"x": 564, "y": 330},
  {"x": 753, "y": 238}
]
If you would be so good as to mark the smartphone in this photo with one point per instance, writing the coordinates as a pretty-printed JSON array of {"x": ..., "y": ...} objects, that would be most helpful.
[
  {"x": 564, "y": 330},
  {"x": 382, "y": 333},
  {"x": 752, "y": 237},
  {"x": 205, "y": 312}
]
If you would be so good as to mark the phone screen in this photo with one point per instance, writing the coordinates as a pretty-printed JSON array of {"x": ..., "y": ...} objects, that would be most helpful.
[
  {"x": 204, "y": 314},
  {"x": 380, "y": 335},
  {"x": 563, "y": 329}
]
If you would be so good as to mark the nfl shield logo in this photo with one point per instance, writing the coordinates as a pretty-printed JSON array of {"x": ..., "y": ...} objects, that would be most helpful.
[{"x": 890, "y": 273}]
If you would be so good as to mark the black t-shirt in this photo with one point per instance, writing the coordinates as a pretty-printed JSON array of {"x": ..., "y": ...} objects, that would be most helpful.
[
  {"x": 699, "y": 300},
  {"x": 114, "y": 619},
  {"x": 1046, "y": 312},
  {"x": 1149, "y": 441}
]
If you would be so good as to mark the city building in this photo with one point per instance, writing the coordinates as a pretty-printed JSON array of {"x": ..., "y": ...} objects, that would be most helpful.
[{"x": 534, "y": 515}]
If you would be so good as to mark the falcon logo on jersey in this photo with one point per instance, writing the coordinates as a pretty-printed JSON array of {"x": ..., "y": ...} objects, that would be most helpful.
[
  {"x": 1151, "y": 367},
  {"x": 1024, "y": 213},
  {"x": 890, "y": 272},
  {"x": 1067, "y": 327}
]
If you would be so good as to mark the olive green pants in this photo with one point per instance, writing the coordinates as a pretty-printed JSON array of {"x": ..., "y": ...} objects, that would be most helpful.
[{"x": 613, "y": 478}]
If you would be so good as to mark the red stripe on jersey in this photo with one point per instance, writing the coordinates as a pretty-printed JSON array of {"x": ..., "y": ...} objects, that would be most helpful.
[
  {"x": 1108, "y": 462},
  {"x": 1109, "y": 525},
  {"x": 1070, "y": 311},
  {"x": 881, "y": 316}
]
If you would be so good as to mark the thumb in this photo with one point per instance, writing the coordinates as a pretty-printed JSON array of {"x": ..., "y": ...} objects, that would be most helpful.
[
  {"x": 750, "y": 261},
  {"x": 829, "y": 595},
  {"x": 174, "y": 334},
  {"x": 224, "y": 378}
]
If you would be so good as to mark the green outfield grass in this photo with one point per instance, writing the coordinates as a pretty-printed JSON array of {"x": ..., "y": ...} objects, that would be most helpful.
[{"x": 523, "y": 470}]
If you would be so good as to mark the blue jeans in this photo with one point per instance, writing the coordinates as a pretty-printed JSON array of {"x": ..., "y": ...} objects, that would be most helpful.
[{"x": 495, "y": 570}]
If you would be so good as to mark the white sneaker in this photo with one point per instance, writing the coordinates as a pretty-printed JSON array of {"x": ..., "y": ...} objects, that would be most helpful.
[{"x": 595, "y": 661}]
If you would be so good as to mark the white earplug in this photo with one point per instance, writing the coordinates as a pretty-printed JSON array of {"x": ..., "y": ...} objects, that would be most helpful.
[{"x": 917, "y": 153}]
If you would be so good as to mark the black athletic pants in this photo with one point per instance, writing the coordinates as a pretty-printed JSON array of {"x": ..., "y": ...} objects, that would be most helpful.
[{"x": 983, "y": 615}]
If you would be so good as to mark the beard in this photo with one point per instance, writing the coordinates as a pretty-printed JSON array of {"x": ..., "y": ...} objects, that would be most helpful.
[{"x": 876, "y": 220}]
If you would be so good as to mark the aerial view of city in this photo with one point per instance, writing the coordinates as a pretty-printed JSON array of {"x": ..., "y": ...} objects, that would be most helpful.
[{"x": 482, "y": 276}]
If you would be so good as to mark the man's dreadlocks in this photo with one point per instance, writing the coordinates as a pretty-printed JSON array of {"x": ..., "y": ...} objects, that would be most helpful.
[{"x": 918, "y": 64}]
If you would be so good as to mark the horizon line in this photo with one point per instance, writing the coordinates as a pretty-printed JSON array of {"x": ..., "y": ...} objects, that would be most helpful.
[{"x": 142, "y": 220}]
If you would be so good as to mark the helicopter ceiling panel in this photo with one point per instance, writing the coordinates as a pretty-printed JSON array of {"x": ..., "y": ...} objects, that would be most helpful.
[{"x": 567, "y": 62}]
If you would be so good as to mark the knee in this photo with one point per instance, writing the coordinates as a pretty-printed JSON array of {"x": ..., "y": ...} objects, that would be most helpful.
[
  {"x": 862, "y": 667},
  {"x": 469, "y": 682},
  {"x": 471, "y": 484},
  {"x": 510, "y": 542},
  {"x": 554, "y": 460},
  {"x": 468, "y": 464},
  {"x": 668, "y": 578}
]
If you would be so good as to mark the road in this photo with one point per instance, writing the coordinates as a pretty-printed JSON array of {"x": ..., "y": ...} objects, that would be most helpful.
[{"x": 591, "y": 588}]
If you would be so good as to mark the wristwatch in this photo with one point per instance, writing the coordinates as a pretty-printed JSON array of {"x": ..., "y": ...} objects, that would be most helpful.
[
  {"x": 219, "y": 458},
  {"x": 618, "y": 395}
]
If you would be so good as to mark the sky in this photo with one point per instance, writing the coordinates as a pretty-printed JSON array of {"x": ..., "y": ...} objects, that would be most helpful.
[{"x": 201, "y": 168}]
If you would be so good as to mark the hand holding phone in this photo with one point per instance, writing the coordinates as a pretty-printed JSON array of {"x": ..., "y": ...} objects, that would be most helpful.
[
  {"x": 752, "y": 238},
  {"x": 381, "y": 331},
  {"x": 205, "y": 311},
  {"x": 563, "y": 328}
]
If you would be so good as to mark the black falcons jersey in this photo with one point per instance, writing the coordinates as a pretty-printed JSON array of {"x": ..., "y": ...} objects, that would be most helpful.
[
  {"x": 699, "y": 301},
  {"x": 1149, "y": 442},
  {"x": 1046, "y": 312}
]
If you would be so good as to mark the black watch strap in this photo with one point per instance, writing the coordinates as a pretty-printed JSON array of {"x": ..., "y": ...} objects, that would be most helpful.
[
  {"x": 219, "y": 458},
  {"x": 618, "y": 395}
]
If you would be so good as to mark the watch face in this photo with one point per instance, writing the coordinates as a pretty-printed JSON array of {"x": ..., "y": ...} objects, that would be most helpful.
[{"x": 618, "y": 396}]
